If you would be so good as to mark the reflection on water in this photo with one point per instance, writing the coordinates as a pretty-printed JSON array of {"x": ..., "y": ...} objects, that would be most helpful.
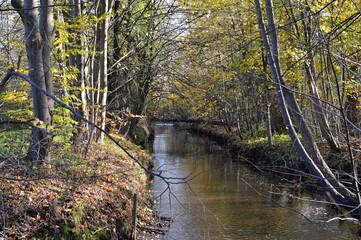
[{"x": 227, "y": 200}]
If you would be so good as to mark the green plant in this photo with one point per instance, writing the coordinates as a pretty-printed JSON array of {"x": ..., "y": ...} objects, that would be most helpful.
[{"x": 13, "y": 141}]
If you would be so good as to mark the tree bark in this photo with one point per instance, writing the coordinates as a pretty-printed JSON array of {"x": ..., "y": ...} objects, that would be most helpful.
[{"x": 46, "y": 23}]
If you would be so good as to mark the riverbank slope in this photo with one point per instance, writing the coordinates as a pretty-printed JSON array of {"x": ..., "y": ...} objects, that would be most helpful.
[
  {"x": 280, "y": 159},
  {"x": 79, "y": 195}
]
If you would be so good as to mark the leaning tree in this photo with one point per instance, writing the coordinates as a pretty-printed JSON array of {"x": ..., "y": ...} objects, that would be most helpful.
[{"x": 294, "y": 118}]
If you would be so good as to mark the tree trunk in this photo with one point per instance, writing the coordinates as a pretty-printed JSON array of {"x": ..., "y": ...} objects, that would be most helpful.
[
  {"x": 38, "y": 47},
  {"x": 269, "y": 126},
  {"x": 103, "y": 68},
  {"x": 78, "y": 61},
  {"x": 46, "y": 23}
]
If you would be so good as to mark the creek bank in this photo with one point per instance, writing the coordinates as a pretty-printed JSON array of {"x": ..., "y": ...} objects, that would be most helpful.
[
  {"x": 80, "y": 197},
  {"x": 280, "y": 159}
]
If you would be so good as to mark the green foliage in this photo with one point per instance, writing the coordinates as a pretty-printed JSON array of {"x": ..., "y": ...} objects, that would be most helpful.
[
  {"x": 66, "y": 233},
  {"x": 64, "y": 127},
  {"x": 15, "y": 104},
  {"x": 278, "y": 138},
  {"x": 13, "y": 141},
  {"x": 79, "y": 214}
]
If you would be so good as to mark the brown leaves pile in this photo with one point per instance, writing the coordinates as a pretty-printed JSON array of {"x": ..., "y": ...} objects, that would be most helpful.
[{"x": 74, "y": 197}]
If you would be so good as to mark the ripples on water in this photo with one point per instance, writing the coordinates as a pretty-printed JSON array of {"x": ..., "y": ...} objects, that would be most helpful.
[{"x": 222, "y": 202}]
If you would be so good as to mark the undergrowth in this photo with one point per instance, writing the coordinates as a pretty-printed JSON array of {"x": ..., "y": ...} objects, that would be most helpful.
[{"x": 277, "y": 138}]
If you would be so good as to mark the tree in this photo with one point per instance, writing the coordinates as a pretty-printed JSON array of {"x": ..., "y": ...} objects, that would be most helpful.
[
  {"x": 39, "y": 28},
  {"x": 307, "y": 148},
  {"x": 215, "y": 69},
  {"x": 82, "y": 44},
  {"x": 141, "y": 39},
  {"x": 101, "y": 76}
]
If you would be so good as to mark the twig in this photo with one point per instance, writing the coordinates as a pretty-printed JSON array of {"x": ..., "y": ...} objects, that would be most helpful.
[
  {"x": 44, "y": 6},
  {"x": 354, "y": 220}
]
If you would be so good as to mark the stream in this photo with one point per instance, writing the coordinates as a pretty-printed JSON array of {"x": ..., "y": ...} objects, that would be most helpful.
[{"x": 225, "y": 199}]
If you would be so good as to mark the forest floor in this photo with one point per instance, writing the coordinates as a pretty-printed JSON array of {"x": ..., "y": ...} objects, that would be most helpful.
[
  {"x": 77, "y": 196},
  {"x": 281, "y": 158}
]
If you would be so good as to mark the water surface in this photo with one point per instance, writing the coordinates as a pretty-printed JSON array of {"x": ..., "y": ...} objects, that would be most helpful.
[{"x": 226, "y": 200}]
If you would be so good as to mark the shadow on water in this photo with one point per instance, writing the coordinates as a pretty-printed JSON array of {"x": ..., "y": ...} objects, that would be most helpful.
[{"x": 227, "y": 200}]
